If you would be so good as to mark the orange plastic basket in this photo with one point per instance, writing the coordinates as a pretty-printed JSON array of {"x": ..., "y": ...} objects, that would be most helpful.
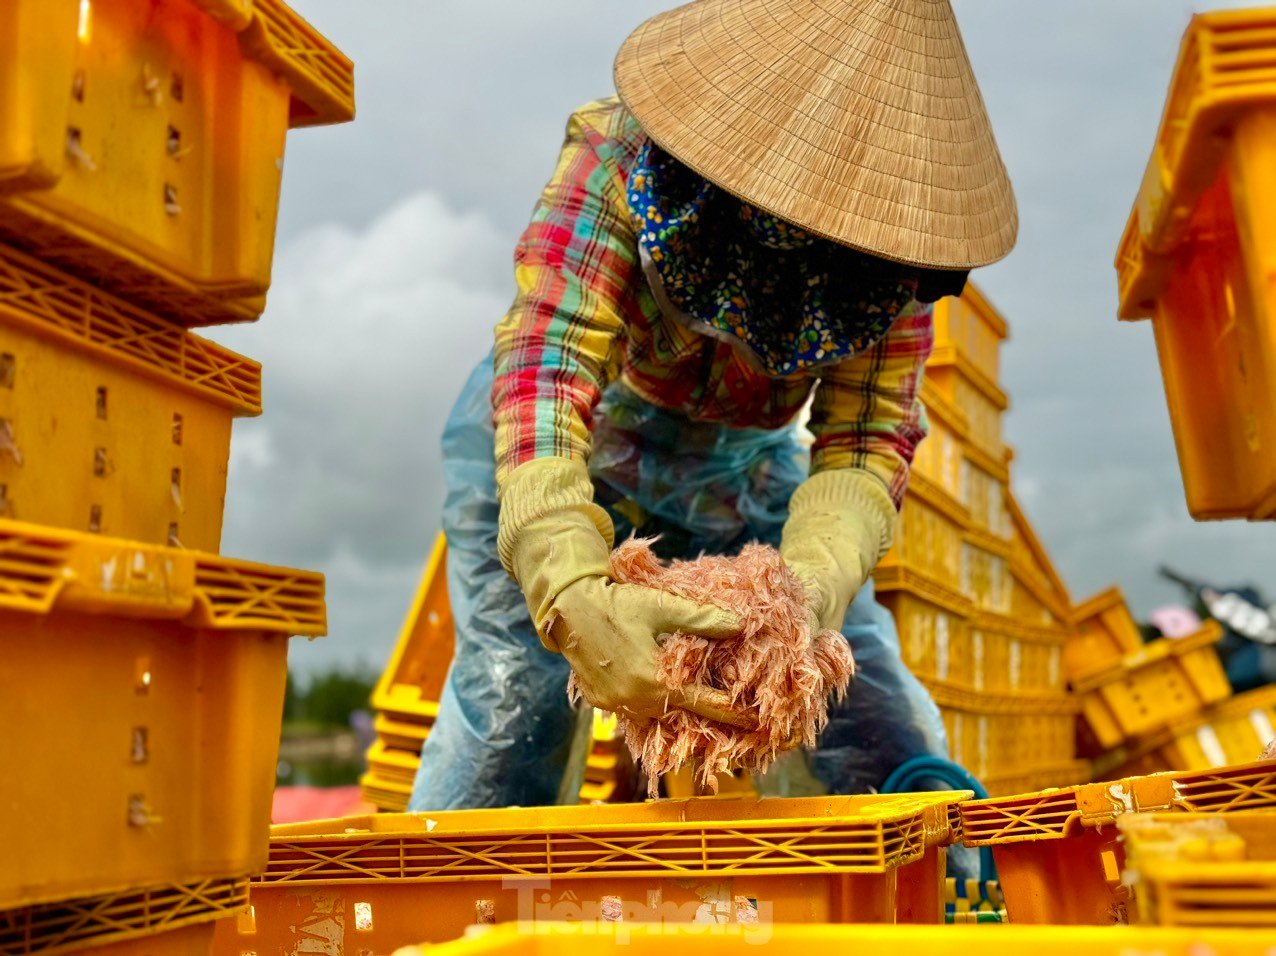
[
  {"x": 163, "y": 920},
  {"x": 1203, "y": 869},
  {"x": 111, "y": 419},
  {"x": 1167, "y": 680},
  {"x": 154, "y": 676},
  {"x": 1060, "y": 858},
  {"x": 818, "y": 859},
  {"x": 141, "y": 143},
  {"x": 1196, "y": 257}
]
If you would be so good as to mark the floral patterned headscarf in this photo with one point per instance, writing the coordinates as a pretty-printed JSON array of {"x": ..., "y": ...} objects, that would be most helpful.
[{"x": 792, "y": 300}]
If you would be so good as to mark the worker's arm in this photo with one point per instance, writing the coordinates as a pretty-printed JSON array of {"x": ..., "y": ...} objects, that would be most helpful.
[
  {"x": 867, "y": 420},
  {"x": 577, "y": 273}
]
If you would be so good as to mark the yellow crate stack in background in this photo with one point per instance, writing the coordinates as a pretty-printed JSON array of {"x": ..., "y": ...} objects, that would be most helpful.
[
  {"x": 141, "y": 147},
  {"x": 983, "y": 617}
]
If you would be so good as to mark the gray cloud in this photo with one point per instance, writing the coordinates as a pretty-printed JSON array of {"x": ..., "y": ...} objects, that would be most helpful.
[{"x": 394, "y": 265}]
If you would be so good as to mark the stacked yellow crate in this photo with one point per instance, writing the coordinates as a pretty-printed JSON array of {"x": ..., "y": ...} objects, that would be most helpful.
[
  {"x": 982, "y": 616},
  {"x": 141, "y": 694},
  {"x": 1136, "y": 697},
  {"x": 406, "y": 700}
]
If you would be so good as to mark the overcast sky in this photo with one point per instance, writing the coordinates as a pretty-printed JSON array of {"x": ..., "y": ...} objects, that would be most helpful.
[{"x": 393, "y": 266}]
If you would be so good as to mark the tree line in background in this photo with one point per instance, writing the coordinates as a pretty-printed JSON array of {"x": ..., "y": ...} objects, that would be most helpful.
[{"x": 327, "y": 699}]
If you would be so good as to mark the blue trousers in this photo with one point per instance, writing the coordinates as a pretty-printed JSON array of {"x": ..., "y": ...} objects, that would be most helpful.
[{"x": 501, "y": 737}]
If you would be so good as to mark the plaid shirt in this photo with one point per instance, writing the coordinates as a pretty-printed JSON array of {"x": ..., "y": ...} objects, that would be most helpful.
[{"x": 584, "y": 314}]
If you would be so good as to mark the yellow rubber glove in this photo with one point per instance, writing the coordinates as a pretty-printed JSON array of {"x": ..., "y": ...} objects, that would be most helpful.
[
  {"x": 557, "y": 544},
  {"x": 840, "y": 524}
]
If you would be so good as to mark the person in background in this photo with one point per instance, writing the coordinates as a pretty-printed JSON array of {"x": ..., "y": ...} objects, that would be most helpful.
[{"x": 760, "y": 220}]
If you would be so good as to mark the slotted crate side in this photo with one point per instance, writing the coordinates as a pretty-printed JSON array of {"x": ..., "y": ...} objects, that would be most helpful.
[
  {"x": 808, "y": 859},
  {"x": 982, "y": 402},
  {"x": 145, "y": 143},
  {"x": 88, "y": 444},
  {"x": 984, "y": 573},
  {"x": 181, "y": 660},
  {"x": 939, "y": 457},
  {"x": 984, "y": 495},
  {"x": 1235, "y": 731},
  {"x": 1166, "y": 680},
  {"x": 173, "y": 920},
  {"x": 1065, "y": 837}
]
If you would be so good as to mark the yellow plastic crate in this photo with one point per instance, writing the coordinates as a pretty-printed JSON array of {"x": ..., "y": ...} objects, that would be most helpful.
[
  {"x": 816, "y": 859},
  {"x": 387, "y": 796},
  {"x": 944, "y": 641},
  {"x": 981, "y": 400},
  {"x": 984, "y": 572},
  {"x": 596, "y": 938},
  {"x": 1203, "y": 869},
  {"x": 142, "y": 143},
  {"x": 983, "y": 492},
  {"x": 1105, "y": 634},
  {"x": 939, "y": 458},
  {"x": 928, "y": 539},
  {"x": 412, "y": 682},
  {"x": 993, "y": 735},
  {"x": 970, "y": 325},
  {"x": 1234, "y": 731},
  {"x": 162, "y": 920},
  {"x": 1196, "y": 257},
  {"x": 1166, "y": 680},
  {"x": 153, "y": 677},
  {"x": 112, "y": 420},
  {"x": 1059, "y": 857}
]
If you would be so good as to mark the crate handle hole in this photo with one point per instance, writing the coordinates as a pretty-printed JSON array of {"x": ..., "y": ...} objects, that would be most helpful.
[
  {"x": 8, "y": 443},
  {"x": 174, "y": 143},
  {"x": 101, "y": 464},
  {"x": 141, "y": 745},
  {"x": 101, "y": 401},
  {"x": 173, "y": 540},
  {"x": 95, "y": 519},
  {"x": 171, "y": 205},
  {"x": 144, "y": 676},
  {"x": 77, "y": 86},
  {"x": 177, "y": 428},
  {"x": 363, "y": 917},
  {"x": 175, "y": 486},
  {"x": 75, "y": 149},
  {"x": 177, "y": 87},
  {"x": 8, "y": 369}
]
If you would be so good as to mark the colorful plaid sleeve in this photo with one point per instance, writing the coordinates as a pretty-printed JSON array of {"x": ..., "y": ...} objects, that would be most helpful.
[
  {"x": 576, "y": 269},
  {"x": 867, "y": 414}
]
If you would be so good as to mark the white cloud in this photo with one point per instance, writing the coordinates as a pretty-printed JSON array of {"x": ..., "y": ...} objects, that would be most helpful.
[{"x": 367, "y": 339}]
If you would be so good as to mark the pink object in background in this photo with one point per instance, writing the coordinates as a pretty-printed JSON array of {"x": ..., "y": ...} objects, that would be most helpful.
[
  {"x": 298, "y": 804},
  {"x": 1174, "y": 620}
]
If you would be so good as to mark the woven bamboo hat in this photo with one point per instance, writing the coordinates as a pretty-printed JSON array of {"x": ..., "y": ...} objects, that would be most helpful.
[{"x": 858, "y": 120}]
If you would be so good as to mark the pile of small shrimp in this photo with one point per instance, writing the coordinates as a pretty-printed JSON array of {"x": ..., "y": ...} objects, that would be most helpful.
[{"x": 775, "y": 669}]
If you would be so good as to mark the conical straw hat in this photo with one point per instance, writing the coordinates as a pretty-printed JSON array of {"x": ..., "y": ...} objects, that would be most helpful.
[{"x": 859, "y": 120}]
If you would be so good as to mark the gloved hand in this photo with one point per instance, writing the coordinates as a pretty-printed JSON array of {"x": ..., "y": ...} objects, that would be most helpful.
[
  {"x": 840, "y": 524},
  {"x": 557, "y": 544}
]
